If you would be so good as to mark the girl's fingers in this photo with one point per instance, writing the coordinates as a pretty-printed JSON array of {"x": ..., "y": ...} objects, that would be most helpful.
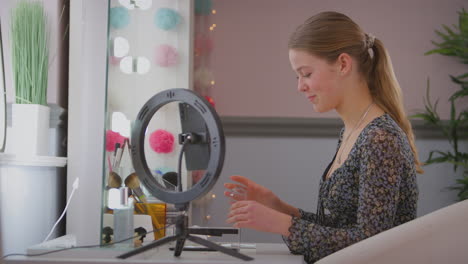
[
  {"x": 237, "y": 211},
  {"x": 237, "y": 215},
  {"x": 241, "y": 224},
  {"x": 238, "y": 204},
  {"x": 234, "y": 218},
  {"x": 239, "y": 190},
  {"x": 235, "y": 195},
  {"x": 231, "y": 195},
  {"x": 240, "y": 179},
  {"x": 233, "y": 186},
  {"x": 238, "y": 221}
]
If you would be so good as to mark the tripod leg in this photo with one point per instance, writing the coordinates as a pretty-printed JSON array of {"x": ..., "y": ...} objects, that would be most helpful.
[
  {"x": 151, "y": 245},
  {"x": 179, "y": 246},
  {"x": 219, "y": 248}
]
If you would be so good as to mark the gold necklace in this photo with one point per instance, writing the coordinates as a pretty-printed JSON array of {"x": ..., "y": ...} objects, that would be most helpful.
[{"x": 345, "y": 142}]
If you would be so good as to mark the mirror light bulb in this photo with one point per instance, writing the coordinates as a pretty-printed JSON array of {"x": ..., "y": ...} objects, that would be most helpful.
[
  {"x": 142, "y": 65},
  {"x": 120, "y": 47},
  {"x": 120, "y": 124},
  {"x": 126, "y": 65}
]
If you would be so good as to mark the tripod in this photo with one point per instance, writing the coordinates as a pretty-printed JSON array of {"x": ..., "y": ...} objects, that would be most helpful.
[{"x": 182, "y": 233}]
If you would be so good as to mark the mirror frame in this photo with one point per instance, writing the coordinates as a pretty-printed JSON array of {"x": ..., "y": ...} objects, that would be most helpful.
[{"x": 3, "y": 108}]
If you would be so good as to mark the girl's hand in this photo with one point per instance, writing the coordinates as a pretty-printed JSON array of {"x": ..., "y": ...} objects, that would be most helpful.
[
  {"x": 251, "y": 214},
  {"x": 246, "y": 189}
]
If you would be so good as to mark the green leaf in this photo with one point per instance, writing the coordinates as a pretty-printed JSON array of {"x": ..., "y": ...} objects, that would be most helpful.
[
  {"x": 443, "y": 157},
  {"x": 459, "y": 94},
  {"x": 450, "y": 32},
  {"x": 463, "y": 21},
  {"x": 443, "y": 51},
  {"x": 463, "y": 76},
  {"x": 453, "y": 112},
  {"x": 460, "y": 163},
  {"x": 457, "y": 79}
]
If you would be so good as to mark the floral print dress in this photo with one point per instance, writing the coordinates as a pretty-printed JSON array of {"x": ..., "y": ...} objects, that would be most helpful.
[{"x": 374, "y": 190}]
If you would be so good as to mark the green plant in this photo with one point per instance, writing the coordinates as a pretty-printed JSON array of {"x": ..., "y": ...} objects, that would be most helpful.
[
  {"x": 30, "y": 52},
  {"x": 454, "y": 43}
]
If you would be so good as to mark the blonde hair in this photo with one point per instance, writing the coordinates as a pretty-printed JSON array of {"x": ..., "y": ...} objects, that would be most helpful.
[{"x": 329, "y": 34}]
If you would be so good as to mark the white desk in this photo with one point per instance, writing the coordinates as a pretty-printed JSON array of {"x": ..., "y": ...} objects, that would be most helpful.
[{"x": 264, "y": 253}]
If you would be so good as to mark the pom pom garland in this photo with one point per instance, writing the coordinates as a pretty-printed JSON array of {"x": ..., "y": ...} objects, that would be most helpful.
[
  {"x": 161, "y": 141},
  {"x": 166, "y": 56},
  {"x": 203, "y": 7},
  {"x": 119, "y": 17},
  {"x": 210, "y": 100},
  {"x": 166, "y": 18},
  {"x": 112, "y": 138},
  {"x": 203, "y": 45},
  {"x": 203, "y": 78}
]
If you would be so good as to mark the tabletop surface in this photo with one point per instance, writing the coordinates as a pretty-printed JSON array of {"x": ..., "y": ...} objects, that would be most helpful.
[{"x": 263, "y": 253}]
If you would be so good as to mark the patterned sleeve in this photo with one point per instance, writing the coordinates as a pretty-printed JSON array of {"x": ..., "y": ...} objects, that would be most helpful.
[
  {"x": 312, "y": 217},
  {"x": 379, "y": 180}
]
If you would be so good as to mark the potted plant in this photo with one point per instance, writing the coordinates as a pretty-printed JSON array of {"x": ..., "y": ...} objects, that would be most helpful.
[
  {"x": 30, "y": 58},
  {"x": 454, "y": 43}
]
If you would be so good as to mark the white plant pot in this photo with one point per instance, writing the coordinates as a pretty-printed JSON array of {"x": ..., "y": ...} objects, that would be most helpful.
[{"x": 30, "y": 127}]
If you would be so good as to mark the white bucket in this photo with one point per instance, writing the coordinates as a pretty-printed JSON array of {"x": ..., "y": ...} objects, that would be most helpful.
[{"x": 30, "y": 127}]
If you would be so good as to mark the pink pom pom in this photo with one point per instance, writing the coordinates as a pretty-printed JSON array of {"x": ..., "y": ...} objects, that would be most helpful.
[
  {"x": 203, "y": 78},
  {"x": 161, "y": 141},
  {"x": 166, "y": 56},
  {"x": 114, "y": 60},
  {"x": 112, "y": 138},
  {"x": 203, "y": 45},
  {"x": 210, "y": 100}
]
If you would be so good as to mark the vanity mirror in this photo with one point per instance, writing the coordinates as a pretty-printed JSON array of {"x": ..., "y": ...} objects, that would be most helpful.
[
  {"x": 134, "y": 74},
  {"x": 176, "y": 149}
]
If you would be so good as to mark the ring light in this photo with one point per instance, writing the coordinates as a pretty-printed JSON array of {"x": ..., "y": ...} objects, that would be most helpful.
[
  {"x": 215, "y": 141},
  {"x": 181, "y": 199}
]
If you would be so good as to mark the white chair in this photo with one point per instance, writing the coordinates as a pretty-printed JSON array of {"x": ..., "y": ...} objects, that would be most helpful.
[{"x": 438, "y": 237}]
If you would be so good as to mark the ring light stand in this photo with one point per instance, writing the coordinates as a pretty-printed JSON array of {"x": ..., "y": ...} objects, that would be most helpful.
[{"x": 181, "y": 199}]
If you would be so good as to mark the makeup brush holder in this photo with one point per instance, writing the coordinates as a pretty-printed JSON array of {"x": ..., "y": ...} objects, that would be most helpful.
[{"x": 123, "y": 221}]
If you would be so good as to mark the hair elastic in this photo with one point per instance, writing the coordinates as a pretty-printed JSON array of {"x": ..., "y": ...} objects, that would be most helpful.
[{"x": 369, "y": 40}]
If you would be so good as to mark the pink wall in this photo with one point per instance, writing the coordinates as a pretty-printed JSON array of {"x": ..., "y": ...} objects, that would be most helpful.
[{"x": 250, "y": 60}]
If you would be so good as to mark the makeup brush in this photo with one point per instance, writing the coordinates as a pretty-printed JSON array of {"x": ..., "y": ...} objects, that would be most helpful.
[
  {"x": 118, "y": 156},
  {"x": 114, "y": 180},
  {"x": 133, "y": 183}
]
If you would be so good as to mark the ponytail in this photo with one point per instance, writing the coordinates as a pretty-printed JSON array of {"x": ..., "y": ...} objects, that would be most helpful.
[{"x": 386, "y": 93}]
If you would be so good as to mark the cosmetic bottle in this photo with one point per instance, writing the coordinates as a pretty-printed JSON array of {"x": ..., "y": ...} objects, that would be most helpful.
[{"x": 123, "y": 220}]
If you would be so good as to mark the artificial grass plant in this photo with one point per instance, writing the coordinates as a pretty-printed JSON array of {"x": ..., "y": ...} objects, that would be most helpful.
[{"x": 30, "y": 52}]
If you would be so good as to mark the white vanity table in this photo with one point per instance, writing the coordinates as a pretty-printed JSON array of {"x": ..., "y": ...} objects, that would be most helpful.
[{"x": 264, "y": 253}]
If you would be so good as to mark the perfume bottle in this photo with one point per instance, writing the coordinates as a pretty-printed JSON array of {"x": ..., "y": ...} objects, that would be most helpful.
[{"x": 123, "y": 220}]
